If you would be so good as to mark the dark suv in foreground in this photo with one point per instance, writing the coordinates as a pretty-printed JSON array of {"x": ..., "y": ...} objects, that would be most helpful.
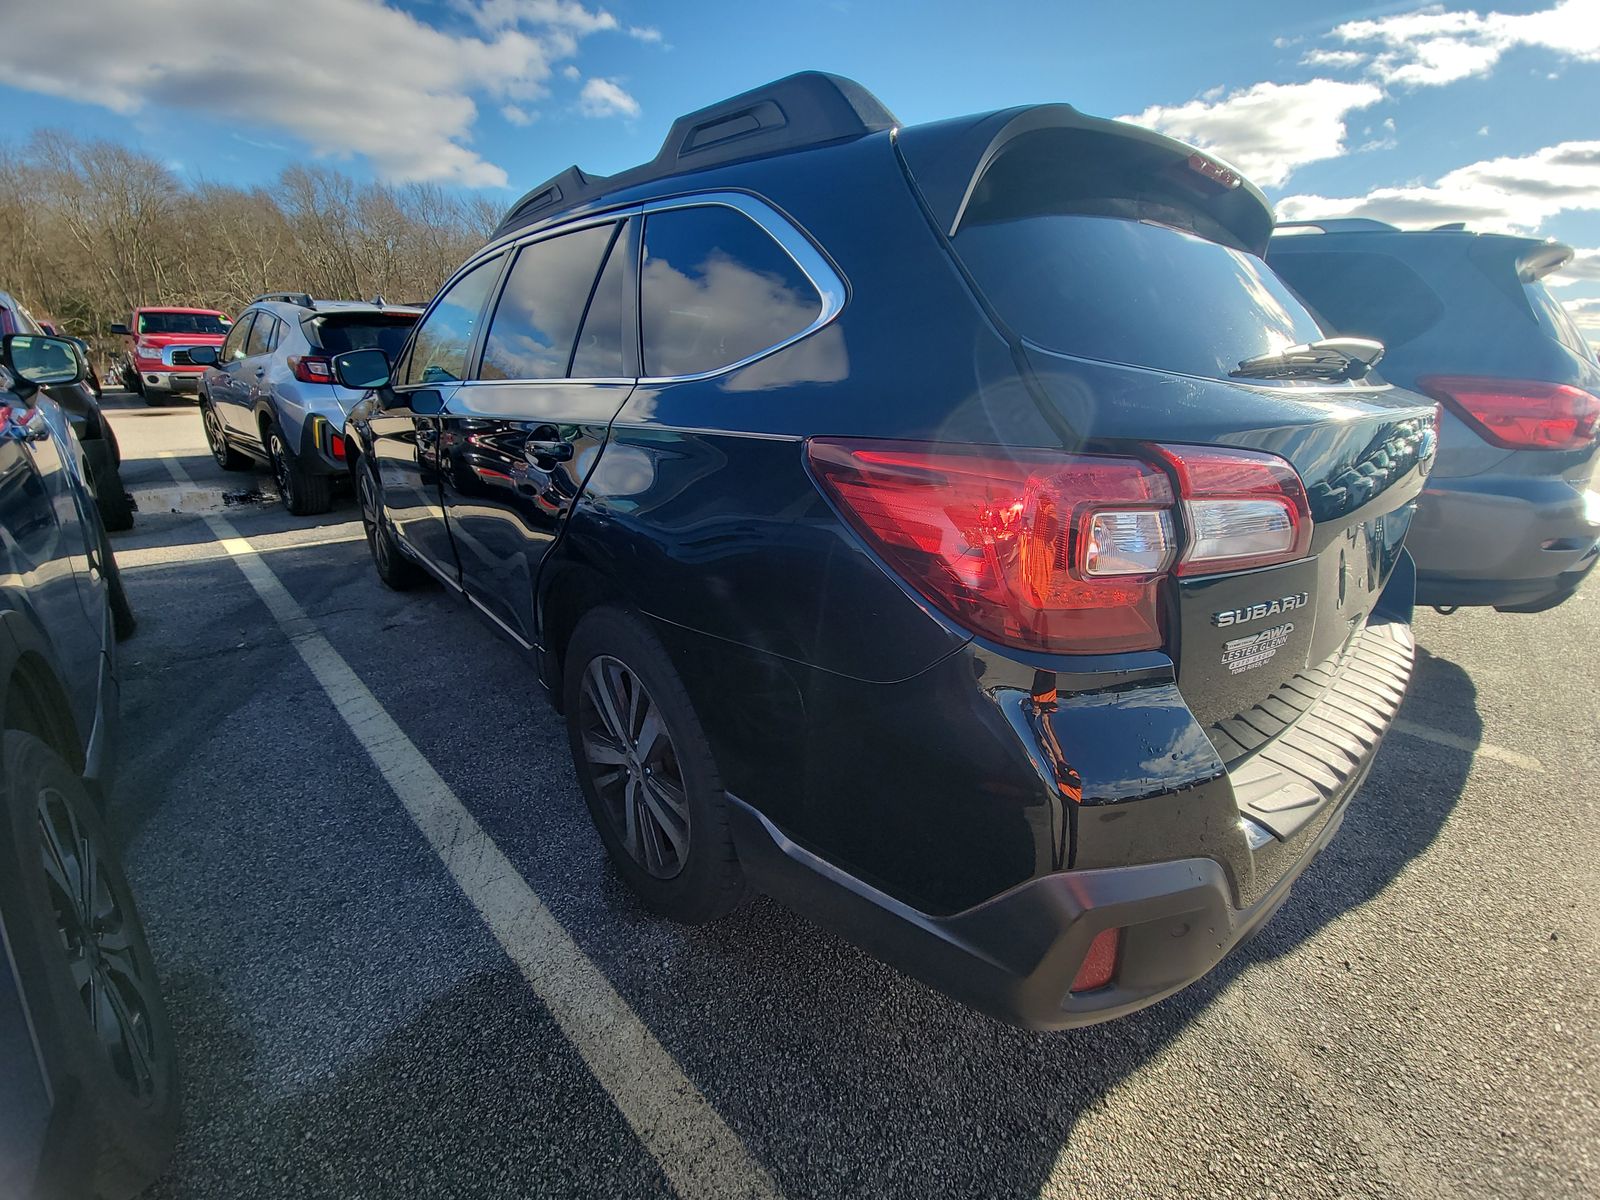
[
  {"x": 956, "y": 532},
  {"x": 1511, "y": 515}
]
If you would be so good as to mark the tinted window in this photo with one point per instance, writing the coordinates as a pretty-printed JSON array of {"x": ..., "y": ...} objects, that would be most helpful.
[
  {"x": 1363, "y": 295},
  {"x": 337, "y": 334},
  {"x": 160, "y": 322},
  {"x": 716, "y": 289},
  {"x": 1133, "y": 292},
  {"x": 1555, "y": 320},
  {"x": 444, "y": 339},
  {"x": 536, "y": 321},
  {"x": 263, "y": 335},
  {"x": 599, "y": 354},
  {"x": 233, "y": 347}
]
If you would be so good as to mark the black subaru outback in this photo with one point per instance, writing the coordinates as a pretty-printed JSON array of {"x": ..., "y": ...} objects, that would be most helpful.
[{"x": 954, "y": 531}]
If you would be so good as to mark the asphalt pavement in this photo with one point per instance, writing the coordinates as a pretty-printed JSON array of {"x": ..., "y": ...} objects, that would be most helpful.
[{"x": 364, "y": 1012}]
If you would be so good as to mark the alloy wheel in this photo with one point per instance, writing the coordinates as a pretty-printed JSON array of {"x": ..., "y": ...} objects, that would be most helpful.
[
  {"x": 215, "y": 438},
  {"x": 634, "y": 766},
  {"x": 370, "y": 518},
  {"x": 97, "y": 936},
  {"x": 280, "y": 468}
]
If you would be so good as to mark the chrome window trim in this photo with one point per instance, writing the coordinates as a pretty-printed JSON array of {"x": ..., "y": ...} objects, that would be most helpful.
[
  {"x": 832, "y": 289},
  {"x": 818, "y": 270}
]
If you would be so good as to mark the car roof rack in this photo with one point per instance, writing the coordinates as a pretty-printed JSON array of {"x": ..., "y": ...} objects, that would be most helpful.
[
  {"x": 1342, "y": 225},
  {"x": 811, "y": 108},
  {"x": 299, "y": 299}
]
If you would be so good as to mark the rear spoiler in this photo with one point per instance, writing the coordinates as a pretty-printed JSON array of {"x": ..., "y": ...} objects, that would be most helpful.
[
  {"x": 949, "y": 160},
  {"x": 1542, "y": 260}
]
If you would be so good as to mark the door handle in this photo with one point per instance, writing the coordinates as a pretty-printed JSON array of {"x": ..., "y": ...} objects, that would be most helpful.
[{"x": 541, "y": 453}]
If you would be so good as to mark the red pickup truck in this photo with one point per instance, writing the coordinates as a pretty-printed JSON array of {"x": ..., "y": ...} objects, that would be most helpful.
[{"x": 156, "y": 363}]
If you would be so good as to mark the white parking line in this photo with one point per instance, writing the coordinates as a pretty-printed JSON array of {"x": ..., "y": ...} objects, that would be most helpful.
[
  {"x": 1439, "y": 737},
  {"x": 690, "y": 1142}
]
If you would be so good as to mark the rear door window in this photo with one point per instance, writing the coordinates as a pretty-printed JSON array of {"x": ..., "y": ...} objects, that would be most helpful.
[
  {"x": 1362, "y": 295},
  {"x": 599, "y": 354},
  {"x": 716, "y": 289},
  {"x": 444, "y": 339},
  {"x": 1554, "y": 319},
  {"x": 535, "y": 324},
  {"x": 263, "y": 335}
]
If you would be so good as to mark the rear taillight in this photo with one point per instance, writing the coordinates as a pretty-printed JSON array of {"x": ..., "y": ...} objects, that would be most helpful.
[
  {"x": 1063, "y": 553},
  {"x": 1242, "y": 509},
  {"x": 336, "y": 446},
  {"x": 309, "y": 368},
  {"x": 1519, "y": 414},
  {"x": 1099, "y": 964}
]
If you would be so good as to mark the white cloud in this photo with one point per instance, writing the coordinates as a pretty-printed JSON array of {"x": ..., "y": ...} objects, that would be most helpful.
[
  {"x": 571, "y": 72},
  {"x": 644, "y": 33},
  {"x": 606, "y": 98},
  {"x": 1515, "y": 194},
  {"x": 1269, "y": 129},
  {"x": 373, "y": 81},
  {"x": 518, "y": 115},
  {"x": 1434, "y": 45},
  {"x": 1333, "y": 58}
]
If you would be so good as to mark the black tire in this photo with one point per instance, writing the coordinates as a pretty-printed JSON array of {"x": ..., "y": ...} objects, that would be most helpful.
[
  {"x": 303, "y": 493},
  {"x": 671, "y": 787},
  {"x": 110, "y": 497},
  {"x": 122, "y": 1075},
  {"x": 226, "y": 456},
  {"x": 393, "y": 566},
  {"x": 131, "y": 378},
  {"x": 110, "y": 435}
]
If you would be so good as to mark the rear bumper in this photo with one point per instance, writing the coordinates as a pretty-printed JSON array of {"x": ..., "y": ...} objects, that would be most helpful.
[
  {"x": 1506, "y": 541},
  {"x": 1016, "y": 955}
]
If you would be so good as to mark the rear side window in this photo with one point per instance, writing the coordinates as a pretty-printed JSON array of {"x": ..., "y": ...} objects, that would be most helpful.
[
  {"x": 715, "y": 290},
  {"x": 263, "y": 335},
  {"x": 444, "y": 339},
  {"x": 336, "y": 334},
  {"x": 536, "y": 321},
  {"x": 1363, "y": 295},
  {"x": 1131, "y": 291},
  {"x": 1554, "y": 319}
]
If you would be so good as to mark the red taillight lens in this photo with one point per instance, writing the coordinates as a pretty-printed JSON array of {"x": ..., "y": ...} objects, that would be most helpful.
[
  {"x": 1043, "y": 551},
  {"x": 1099, "y": 962},
  {"x": 310, "y": 369},
  {"x": 1519, "y": 414},
  {"x": 336, "y": 445},
  {"x": 1243, "y": 508}
]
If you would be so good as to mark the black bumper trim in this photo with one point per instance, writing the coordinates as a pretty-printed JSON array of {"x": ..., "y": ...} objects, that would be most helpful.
[{"x": 1015, "y": 956}]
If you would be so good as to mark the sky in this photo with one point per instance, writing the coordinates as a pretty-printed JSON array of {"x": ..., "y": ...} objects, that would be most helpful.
[{"x": 1409, "y": 113}]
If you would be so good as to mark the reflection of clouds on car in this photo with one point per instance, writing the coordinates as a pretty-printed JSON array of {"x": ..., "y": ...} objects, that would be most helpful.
[{"x": 719, "y": 312}]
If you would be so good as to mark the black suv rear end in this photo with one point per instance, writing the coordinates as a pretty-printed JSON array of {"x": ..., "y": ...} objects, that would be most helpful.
[{"x": 919, "y": 556}]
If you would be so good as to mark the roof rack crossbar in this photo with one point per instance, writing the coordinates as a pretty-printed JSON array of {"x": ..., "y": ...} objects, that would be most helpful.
[
  {"x": 808, "y": 109},
  {"x": 1342, "y": 225},
  {"x": 300, "y": 299}
]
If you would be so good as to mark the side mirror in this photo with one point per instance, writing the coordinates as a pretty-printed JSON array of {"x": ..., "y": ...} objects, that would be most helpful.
[
  {"x": 123, "y": 330},
  {"x": 43, "y": 361},
  {"x": 362, "y": 370},
  {"x": 204, "y": 356}
]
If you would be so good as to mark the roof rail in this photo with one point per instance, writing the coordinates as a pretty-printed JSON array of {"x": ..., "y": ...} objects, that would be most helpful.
[
  {"x": 1342, "y": 225},
  {"x": 297, "y": 298},
  {"x": 808, "y": 109},
  {"x": 1451, "y": 227}
]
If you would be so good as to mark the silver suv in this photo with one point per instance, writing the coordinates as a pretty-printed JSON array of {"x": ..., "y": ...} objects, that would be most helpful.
[{"x": 268, "y": 394}]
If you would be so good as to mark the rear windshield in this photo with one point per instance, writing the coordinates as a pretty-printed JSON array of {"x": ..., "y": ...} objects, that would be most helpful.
[
  {"x": 160, "y": 322},
  {"x": 366, "y": 332},
  {"x": 1132, "y": 292},
  {"x": 1362, "y": 295}
]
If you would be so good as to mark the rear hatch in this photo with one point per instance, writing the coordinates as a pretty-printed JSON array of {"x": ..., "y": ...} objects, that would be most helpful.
[
  {"x": 1128, "y": 270},
  {"x": 334, "y": 333}
]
